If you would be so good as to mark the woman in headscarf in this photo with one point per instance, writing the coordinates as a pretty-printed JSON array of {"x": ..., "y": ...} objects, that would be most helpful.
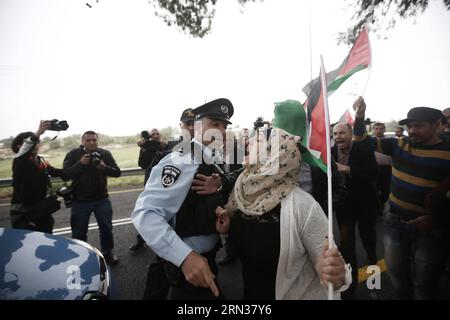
[{"x": 279, "y": 230}]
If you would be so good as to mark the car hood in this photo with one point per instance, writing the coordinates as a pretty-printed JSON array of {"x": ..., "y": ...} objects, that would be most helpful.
[{"x": 35, "y": 265}]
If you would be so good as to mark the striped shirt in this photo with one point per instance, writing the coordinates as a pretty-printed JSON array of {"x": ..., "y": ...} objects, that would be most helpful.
[{"x": 416, "y": 170}]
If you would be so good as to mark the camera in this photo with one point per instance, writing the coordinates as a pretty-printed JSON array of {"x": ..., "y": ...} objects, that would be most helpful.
[
  {"x": 145, "y": 135},
  {"x": 96, "y": 157},
  {"x": 65, "y": 193},
  {"x": 259, "y": 123},
  {"x": 56, "y": 125}
]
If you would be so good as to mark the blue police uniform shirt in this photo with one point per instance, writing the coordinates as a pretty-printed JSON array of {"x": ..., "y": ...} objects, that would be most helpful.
[{"x": 164, "y": 193}]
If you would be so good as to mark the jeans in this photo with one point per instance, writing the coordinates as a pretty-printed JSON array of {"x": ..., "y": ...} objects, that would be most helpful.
[
  {"x": 414, "y": 258},
  {"x": 79, "y": 221}
]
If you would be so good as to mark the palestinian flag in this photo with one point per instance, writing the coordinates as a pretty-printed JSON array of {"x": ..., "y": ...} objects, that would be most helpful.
[
  {"x": 347, "y": 118},
  {"x": 320, "y": 125},
  {"x": 358, "y": 59}
]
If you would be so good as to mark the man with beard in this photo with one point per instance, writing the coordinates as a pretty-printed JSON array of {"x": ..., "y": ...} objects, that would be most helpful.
[{"x": 413, "y": 245}]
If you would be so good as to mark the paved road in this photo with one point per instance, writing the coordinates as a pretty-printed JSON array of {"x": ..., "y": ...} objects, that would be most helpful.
[{"x": 130, "y": 273}]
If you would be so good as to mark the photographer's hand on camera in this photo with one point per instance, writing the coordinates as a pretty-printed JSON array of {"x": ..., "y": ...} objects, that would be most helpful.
[
  {"x": 141, "y": 142},
  {"x": 102, "y": 165},
  {"x": 44, "y": 125},
  {"x": 85, "y": 159}
]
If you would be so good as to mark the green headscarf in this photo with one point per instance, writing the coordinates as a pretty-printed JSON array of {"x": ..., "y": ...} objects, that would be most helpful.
[{"x": 291, "y": 117}]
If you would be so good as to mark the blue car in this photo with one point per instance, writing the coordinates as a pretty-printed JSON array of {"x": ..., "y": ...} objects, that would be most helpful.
[{"x": 41, "y": 266}]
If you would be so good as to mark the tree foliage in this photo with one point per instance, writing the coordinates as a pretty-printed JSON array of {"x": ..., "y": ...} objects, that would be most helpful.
[
  {"x": 192, "y": 16},
  {"x": 169, "y": 133},
  {"x": 195, "y": 16},
  {"x": 381, "y": 15},
  {"x": 55, "y": 144}
]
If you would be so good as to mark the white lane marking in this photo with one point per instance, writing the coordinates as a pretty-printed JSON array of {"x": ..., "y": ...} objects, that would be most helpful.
[{"x": 92, "y": 226}]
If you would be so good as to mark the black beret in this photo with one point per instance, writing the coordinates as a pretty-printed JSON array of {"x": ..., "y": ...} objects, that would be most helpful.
[{"x": 219, "y": 109}]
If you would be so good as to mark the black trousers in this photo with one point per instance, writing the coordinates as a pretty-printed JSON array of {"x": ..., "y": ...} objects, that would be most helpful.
[
  {"x": 229, "y": 246},
  {"x": 348, "y": 216},
  {"x": 166, "y": 281},
  {"x": 139, "y": 239},
  {"x": 157, "y": 285}
]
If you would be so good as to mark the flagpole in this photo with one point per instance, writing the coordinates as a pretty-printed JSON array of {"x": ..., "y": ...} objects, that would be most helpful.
[
  {"x": 310, "y": 46},
  {"x": 331, "y": 244},
  {"x": 370, "y": 63}
]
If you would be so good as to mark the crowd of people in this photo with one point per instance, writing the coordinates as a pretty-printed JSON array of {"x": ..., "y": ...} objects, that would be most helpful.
[{"x": 262, "y": 198}]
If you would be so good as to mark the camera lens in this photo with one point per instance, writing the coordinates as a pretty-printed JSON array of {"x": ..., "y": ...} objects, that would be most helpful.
[{"x": 96, "y": 158}]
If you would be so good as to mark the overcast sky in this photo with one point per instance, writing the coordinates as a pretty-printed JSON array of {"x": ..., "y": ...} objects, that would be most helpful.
[{"x": 118, "y": 69}]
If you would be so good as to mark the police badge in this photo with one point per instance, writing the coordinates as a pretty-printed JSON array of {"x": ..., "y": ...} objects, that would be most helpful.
[{"x": 169, "y": 176}]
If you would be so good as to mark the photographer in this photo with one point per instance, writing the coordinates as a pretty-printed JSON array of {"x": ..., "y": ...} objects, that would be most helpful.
[
  {"x": 260, "y": 123},
  {"x": 150, "y": 145},
  {"x": 31, "y": 183},
  {"x": 89, "y": 166}
]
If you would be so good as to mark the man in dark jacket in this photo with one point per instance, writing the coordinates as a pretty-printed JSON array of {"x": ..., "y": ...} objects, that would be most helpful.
[
  {"x": 356, "y": 161},
  {"x": 150, "y": 144},
  {"x": 88, "y": 167}
]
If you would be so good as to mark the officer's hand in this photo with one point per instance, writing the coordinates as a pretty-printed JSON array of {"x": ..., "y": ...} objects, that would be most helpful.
[
  {"x": 330, "y": 267},
  {"x": 205, "y": 185},
  {"x": 197, "y": 272},
  {"x": 223, "y": 220},
  {"x": 102, "y": 165},
  {"x": 85, "y": 159}
]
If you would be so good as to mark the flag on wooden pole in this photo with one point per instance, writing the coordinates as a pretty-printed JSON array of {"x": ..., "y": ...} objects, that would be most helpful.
[
  {"x": 358, "y": 59},
  {"x": 326, "y": 154}
]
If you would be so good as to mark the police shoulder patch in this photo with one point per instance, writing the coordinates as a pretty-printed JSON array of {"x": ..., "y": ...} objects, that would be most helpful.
[{"x": 169, "y": 176}]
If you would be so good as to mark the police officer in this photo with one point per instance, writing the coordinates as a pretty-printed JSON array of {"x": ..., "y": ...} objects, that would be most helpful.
[
  {"x": 187, "y": 128},
  {"x": 187, "y": 133},
  {"x": 175, "y": 221}
]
